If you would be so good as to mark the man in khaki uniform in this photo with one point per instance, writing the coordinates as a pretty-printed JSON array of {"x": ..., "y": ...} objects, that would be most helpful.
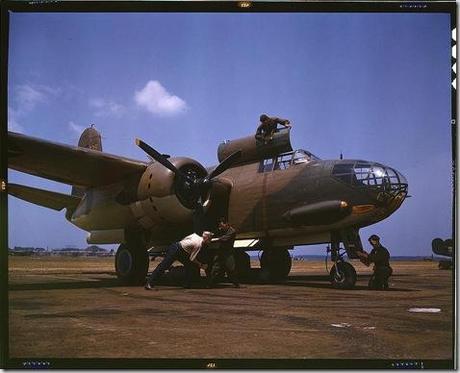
[
  {"x": 267, "y": 127},
  {"x": 380, "y": 256},
  {"x": 223, "y": 261}
]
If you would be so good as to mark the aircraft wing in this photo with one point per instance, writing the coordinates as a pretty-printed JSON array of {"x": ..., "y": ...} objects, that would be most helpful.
[
  {"x": 45, "y": 198},
  {"x": 68, "y": 164}
]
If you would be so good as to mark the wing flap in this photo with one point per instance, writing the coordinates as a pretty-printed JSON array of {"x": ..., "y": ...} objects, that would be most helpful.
[
  {"x": 68, "y": 164},
  {"x": 45, "y": 198}
]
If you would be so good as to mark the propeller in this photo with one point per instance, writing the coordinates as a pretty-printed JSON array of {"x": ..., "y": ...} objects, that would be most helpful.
[
  {"x": 226, "y": 163},
  {"x": 157, "y": 156},
  {"x": 194, "y": 187}
]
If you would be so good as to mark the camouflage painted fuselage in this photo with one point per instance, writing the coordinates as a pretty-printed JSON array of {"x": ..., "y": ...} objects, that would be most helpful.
[
  {"x": 282, "y": 197},
  {"x": 259, "y": 201}
]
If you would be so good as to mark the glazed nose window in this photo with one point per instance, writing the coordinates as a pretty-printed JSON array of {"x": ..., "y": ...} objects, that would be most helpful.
[{"x": 370, "y": 175}]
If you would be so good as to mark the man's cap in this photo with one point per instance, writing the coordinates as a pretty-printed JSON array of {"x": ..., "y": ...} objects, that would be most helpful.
[
  {"x": 263, "y": 117},
  {"x": 374, "y": 237},
  {"x": 207, "y": 233}
]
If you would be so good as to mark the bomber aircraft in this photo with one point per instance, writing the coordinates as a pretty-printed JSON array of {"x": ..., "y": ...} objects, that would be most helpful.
[
  {"x": 274, "y": 197},
  {"x": 444, "y": 248}
]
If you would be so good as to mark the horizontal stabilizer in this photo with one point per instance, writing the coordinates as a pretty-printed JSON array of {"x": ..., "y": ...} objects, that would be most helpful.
[
  {"x": 68, "y": 164},
  {"x": 45, "y": 198}
]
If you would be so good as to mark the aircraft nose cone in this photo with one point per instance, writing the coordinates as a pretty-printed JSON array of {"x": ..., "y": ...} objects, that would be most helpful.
[
  {"x": 384, "y": 186},
  {"x": 391, "y": 185}
]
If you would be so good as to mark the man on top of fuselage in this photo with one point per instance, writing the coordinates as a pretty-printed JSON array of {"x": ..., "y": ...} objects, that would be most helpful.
[{"x": 268, "y": 126}]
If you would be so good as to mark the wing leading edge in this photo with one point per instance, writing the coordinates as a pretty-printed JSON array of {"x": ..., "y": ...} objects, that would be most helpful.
[{"x": 68, "y": 164}]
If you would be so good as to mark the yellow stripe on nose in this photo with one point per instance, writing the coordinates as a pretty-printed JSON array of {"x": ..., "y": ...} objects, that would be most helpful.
[{"x": 362, "y": 209}]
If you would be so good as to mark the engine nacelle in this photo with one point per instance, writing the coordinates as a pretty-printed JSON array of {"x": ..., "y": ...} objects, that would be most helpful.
[{"x": 162, "y": 199}]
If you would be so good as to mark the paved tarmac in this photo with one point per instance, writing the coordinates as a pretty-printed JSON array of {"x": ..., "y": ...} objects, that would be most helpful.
[{"x": 75, "y": 308}]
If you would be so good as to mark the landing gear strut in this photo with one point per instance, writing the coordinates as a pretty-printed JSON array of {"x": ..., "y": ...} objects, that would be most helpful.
[{"x": 342, "y": 274}]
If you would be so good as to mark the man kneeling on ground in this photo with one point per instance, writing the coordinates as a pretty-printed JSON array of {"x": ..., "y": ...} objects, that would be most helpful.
[
  {"x": 185, "y": 251},
  {"x": 380, "y": 256}
]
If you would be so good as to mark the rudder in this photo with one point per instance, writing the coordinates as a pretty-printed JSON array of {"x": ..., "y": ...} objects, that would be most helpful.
[{"x": 89, "y": 139}]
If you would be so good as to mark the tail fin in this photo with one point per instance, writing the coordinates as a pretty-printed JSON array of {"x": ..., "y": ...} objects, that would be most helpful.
[{"x": 89, "y": 139}]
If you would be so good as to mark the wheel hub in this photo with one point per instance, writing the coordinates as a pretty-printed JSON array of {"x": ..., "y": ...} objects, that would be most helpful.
[{"x": 339, "y": 276}]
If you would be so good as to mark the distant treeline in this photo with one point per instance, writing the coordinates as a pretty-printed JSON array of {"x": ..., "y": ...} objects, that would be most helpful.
[
  {"x": 92, "y": 250},
  {"x": 395, "y": 258}
]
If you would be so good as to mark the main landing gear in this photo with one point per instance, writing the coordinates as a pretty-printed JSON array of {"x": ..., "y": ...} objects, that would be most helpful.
[
  {"x": 131, "y": 264},
  {"x": 275, "y": 264}
]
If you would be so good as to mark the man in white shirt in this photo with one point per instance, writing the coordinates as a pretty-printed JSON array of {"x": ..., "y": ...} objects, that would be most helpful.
[{"x": 185, "y": 251}]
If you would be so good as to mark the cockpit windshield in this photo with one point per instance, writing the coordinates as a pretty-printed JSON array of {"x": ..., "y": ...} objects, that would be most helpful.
[
  {"x": 287, "y": 160},
  {"x": 302, "y": 156}
]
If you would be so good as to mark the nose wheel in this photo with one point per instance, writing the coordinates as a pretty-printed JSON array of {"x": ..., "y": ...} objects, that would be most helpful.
[{"x": 342, "y": 274}]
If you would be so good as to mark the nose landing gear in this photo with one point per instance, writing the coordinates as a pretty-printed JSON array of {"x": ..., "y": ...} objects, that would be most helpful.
[{"x": 343, "y": 274}]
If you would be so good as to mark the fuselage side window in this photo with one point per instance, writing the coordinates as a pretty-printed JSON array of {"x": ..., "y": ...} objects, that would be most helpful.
[
  {"x": 283, "y": 162},
  {"x": 266, "y": 165}
]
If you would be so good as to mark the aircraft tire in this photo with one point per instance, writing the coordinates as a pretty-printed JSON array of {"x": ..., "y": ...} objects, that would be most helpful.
[
  {"x": 131, "y": 264},
  {"x": 178, "y": 275},
  {"x": 275, "y": 264},
  {"x": 345, "y": 277},
  {"x": 242, "y": 264}
]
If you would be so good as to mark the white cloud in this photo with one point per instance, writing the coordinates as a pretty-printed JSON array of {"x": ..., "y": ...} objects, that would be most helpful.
[
  {"x": 156, "y": 99},
  {"x": 76, "y": 128},
  {"x": 106, "y": 108},
  {"x": 13, "y": 124},
  {"x": 26, "y": 98},
  {"x": 29, "y": 95}
]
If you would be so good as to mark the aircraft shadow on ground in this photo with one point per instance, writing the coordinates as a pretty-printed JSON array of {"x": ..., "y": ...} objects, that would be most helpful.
[
  {"x": 308, "y": 281},
  {"x": 54, "y": 285},
  {"x": 318, "y": 281}
]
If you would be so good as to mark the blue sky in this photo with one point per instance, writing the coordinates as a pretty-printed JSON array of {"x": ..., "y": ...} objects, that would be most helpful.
[{"x": 373, "y": 86}]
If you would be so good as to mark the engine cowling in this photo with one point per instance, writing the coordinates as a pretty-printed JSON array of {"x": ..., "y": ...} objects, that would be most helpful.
[{"x": 162, "y": 198}]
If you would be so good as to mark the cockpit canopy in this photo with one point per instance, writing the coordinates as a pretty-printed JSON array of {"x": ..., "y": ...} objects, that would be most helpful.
[{"x": 286, "y": 160}]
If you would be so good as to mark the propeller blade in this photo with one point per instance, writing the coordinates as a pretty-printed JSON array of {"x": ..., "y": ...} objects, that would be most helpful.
[
  {"x": 226, "y": 163},
  {"x": 157, "y": 156}
]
